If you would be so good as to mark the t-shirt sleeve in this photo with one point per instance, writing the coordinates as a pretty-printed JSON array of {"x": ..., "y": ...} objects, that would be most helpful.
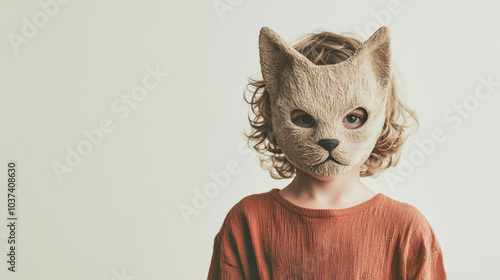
[
  {"x": 226, "y": 262},
  {"x": 424, "y": 258},
  {"x": 222, "y": 268}
]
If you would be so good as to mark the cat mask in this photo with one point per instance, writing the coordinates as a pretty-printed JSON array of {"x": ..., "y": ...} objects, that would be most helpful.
[{"x": 327, "y": 93}]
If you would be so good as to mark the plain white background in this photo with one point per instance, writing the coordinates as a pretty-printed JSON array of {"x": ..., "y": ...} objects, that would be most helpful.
[{"x": 114, "y": 212}]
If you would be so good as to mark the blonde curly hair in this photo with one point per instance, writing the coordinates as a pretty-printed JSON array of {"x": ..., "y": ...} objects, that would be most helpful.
[{"x": 327, "y": 48}]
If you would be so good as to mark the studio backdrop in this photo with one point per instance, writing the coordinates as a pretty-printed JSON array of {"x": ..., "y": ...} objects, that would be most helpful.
[{"x": 123, "y": 124}]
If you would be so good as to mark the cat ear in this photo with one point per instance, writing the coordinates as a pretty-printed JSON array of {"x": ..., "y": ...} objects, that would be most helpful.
[
  {"x": 275, "y": 56},
  {"x": 376, "y": 51}
]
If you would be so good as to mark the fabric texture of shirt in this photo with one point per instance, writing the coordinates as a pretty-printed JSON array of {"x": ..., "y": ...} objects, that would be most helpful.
[{"x": 265, "y": 236}]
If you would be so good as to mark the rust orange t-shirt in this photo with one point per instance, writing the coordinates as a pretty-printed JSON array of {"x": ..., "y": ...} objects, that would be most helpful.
[{"x": 265, "y": 236}]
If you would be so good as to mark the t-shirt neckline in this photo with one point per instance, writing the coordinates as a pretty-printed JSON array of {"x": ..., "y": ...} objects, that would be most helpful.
[{"x": 312, "y": 212}]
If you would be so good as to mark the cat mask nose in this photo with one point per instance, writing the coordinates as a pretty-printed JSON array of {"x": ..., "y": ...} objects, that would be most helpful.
[{"x": 329, "y": 144}]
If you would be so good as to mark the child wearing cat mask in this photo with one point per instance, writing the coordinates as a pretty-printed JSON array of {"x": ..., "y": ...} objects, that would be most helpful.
[{"x": 327, "y": 112}]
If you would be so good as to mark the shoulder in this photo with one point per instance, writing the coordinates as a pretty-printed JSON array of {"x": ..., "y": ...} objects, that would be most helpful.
[
  {"x": 250, "y": 205},
  {"x": 246, "y": 210},
  {"x": 254, "y": 201},
  {"x": 405, "y": 213},
  {"x": 413, "y": 226},
  {"x": 418, "y": 247}
]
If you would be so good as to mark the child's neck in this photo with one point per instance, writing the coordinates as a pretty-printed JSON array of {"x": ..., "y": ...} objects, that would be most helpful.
[{"x": 327, "y": 192}]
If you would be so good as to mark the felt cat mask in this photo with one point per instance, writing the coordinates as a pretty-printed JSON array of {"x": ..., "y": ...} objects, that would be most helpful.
[{"x": 327, "y": 94}]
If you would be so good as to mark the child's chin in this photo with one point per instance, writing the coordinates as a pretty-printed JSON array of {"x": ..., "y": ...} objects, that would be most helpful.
[{"x": 329, "y": 171}]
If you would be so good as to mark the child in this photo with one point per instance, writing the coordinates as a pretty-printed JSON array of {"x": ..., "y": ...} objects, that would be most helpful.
[{"x": 327, "y": 112}]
